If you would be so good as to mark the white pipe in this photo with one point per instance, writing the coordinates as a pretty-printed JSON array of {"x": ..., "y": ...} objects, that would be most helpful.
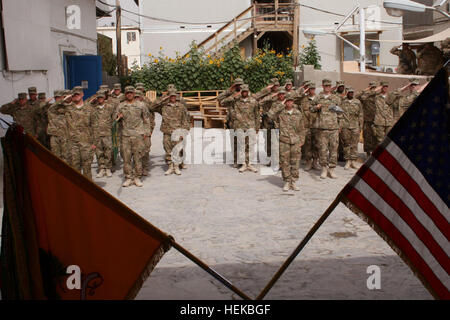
[{"x": 362, "y": 39}]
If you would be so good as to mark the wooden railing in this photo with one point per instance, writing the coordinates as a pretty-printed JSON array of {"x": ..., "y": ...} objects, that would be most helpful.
[{"x": 257, "y": 17}]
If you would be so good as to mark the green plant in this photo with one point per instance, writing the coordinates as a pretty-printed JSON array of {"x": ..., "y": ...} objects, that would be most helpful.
[
  {"x": 198, "y": 70},
  {"x": 310, "y": 55}
]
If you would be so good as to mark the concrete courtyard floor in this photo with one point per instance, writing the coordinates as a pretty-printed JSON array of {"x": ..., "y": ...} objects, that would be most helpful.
[{"x": 244, "y": 226}]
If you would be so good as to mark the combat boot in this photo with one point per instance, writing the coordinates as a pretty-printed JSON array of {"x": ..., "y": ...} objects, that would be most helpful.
[
  {"x": 235, "y": 165},
  {"x": 316, "y": 165},
  {"x": 183, "y": 166},
  {"x": 243, "y": 168},
  {"x": 323, "y": 175},
  {"x": 347, "y": 164},
  {"x": 252, "y": 168},
  {"x": 127, "y": 183},
  {"x": 355, "y": 164},
  {"x": 177, "y": 169},
  {"x": 170, "y": 171},
  {"x": 138, "y": 182},
  {"x": 286, "y": 186},
  {"x": 101, "y": 173},
  {"x": 108, "y": 173},
  {"x": 332, "y": 174},
  {"x": 308, "y": 165},
  {"x": 294, "y": 186}
]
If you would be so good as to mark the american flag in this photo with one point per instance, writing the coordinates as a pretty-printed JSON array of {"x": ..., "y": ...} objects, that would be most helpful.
[{"x": 403, "y": 189}]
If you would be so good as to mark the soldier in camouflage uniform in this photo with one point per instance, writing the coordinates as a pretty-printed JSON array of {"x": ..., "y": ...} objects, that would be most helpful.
[
  {"x": 41, "y": 120},
  {"x": 134, "y": 118},
  {"x": 289, "y": 87},
  {"x": 22, "y": 113},
  {"x": 406, "y": 59},
  {"x": 351, "y": 125},
  {"x": 340, "y": 92},
  {"x": 309, "y": 150},
  {"x": 265, "y": 104},
  {"x": 404, "y": 101},
  {"x": 236, "y": 87},
  {"x": 78, "y": 116},
  {"x": 328, "y": 132},
  {"x": 246, "y": 117},
  {"x": 292, "y": 137},
  {"x": 57, "y": 128},
  {"x": 174, "y": 116},
  {"x": 33, "y": 100},
  {"x": 140, "y": 96},
  {"x": 384, "y": 113},
  {"x": 102, "y": 122},
  {"x": 368, "y": 102},
  {"x": 429, "y": 59}
]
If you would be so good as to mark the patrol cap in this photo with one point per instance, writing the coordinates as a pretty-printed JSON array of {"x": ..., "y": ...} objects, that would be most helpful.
[
  {"x": 129, "y": 89},
  {"x": 77, "y": 90},
  {"x": 414, "y": 81},
  {"x": 171, "y": 87},
  {"x": 66, "y": 92},
  {"x": 350, "y": 89},
  {"x": 384, "y": 83},
  {"x": 101, "y": 94},
  {"x": 311, "y": 85},
  {"x": 373, "y": 84},
  {"x": 139, "y": 93},
  {"x": 326, "y": 82},
  {"x": 289, "y": 96},
  {"x": 57, "y": 93},
  {"x": 139, "y": 84},
  {"x": 244, "y": 87},
  {"x": 288, "y": 81},
  {"x": 172, "y": 93},
  {"x": 239, "y": 81},
  {"x": 274, "y": 81},
  {"x": 104, "y": 86},
  {"x": 41, "y": 95},
  {"x": 117, "y": 86},
  {"x": 306, "y": 82},
  {"x": 22, "y": 95},
  {"x": 32, "y": 90},
  {"x": 282, "y": 91},
  {"x": 340, "y": 83}
]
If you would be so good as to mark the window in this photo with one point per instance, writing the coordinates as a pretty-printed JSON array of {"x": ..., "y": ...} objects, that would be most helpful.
[{"x": 131, "y": 36}]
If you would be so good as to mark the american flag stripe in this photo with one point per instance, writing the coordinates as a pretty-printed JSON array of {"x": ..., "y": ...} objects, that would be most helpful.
[
  {"x": 435, "y": 200},
  {"x": 402, "y": 242},
  {"x": 408, "y": 216},
  {"x": 414, "y": 201},
  {"x": 414, "y": 190}
]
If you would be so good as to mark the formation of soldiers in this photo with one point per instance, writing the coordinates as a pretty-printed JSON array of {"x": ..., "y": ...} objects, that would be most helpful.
[
  {"x": 428, "y": 60},
  {"x": 310, "y": 126}
]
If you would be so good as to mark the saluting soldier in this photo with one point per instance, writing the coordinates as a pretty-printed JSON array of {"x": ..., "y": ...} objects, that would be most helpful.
[
  {"x": 245, "y": 112},
  {"x": 406, "y": 59},
  {"x": 235, "y": 87},
  {"x": 57, "y": 127},
  {"x": 265, "y": 104},
  {"x": 351, "y": 124},
  {"x": 102, "y": 122},
  {"x": 384, "y": 113},
  {"x": 292, "y": 137},
  {"x": 367, "y": 98},
  {"x": 41, "y": 119},
  {"x": 134, "y": 118},
  {"x": 22, "y": 113}
]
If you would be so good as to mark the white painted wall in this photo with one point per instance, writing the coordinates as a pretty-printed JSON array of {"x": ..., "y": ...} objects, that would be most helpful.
[
  {"x": 81, "y": 42},
  {"x": 129, "y": 49}
]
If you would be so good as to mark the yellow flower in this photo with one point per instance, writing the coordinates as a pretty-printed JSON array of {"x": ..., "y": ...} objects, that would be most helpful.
[
  {"x": 160, "y": 48},
  {"x": 279, "y": 55},
  {"x": 210, "y": 61},
  {"x": 187, "y": 56},
  {"x": 149, "y": 54},
  {"x": 272, "y": 51},
  {"x": 156, "y": 60},
  {"x": 209, "y": 56},
  {"x": 221, "y": 79}
]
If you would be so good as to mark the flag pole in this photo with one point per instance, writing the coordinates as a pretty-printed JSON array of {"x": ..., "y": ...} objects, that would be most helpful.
[
  {"x": 208, "y": 269},
  {"x": 299, "y": 248}
]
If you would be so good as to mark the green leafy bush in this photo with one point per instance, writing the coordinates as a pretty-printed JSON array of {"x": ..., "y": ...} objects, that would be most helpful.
[
  {"x": 310, "y": 55},
  {"x": 198, "y": 70}
]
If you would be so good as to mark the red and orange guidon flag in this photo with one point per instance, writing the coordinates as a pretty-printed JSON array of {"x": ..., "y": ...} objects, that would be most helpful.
[{"x": 63, "y": 237}]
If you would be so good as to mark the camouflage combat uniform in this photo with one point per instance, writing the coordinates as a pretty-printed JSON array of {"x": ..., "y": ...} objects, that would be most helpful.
[
  {"x": 367, "y": 99},
  {"x": 57, "y": 130},
  {"x": 310, "y": 150},
  {"x": 351, "y": 125},
  {"x": 174, "y": 116},
  {"x": 81, "y": 138},
  {"x": 405, "y": 102},
  {"x": 406, "y": 60},
  {"x": 384, "y": 117},
  {"x": 429, "y": 60},
  {"x": 22, "y": 115},
  {"x": 102, "y": 122},
  {"x": 292, "y": 137},
  {"x": 328, "y": 130},
  {"x": 134, "y": 127},
  {"x": 245, "y": 112}
]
